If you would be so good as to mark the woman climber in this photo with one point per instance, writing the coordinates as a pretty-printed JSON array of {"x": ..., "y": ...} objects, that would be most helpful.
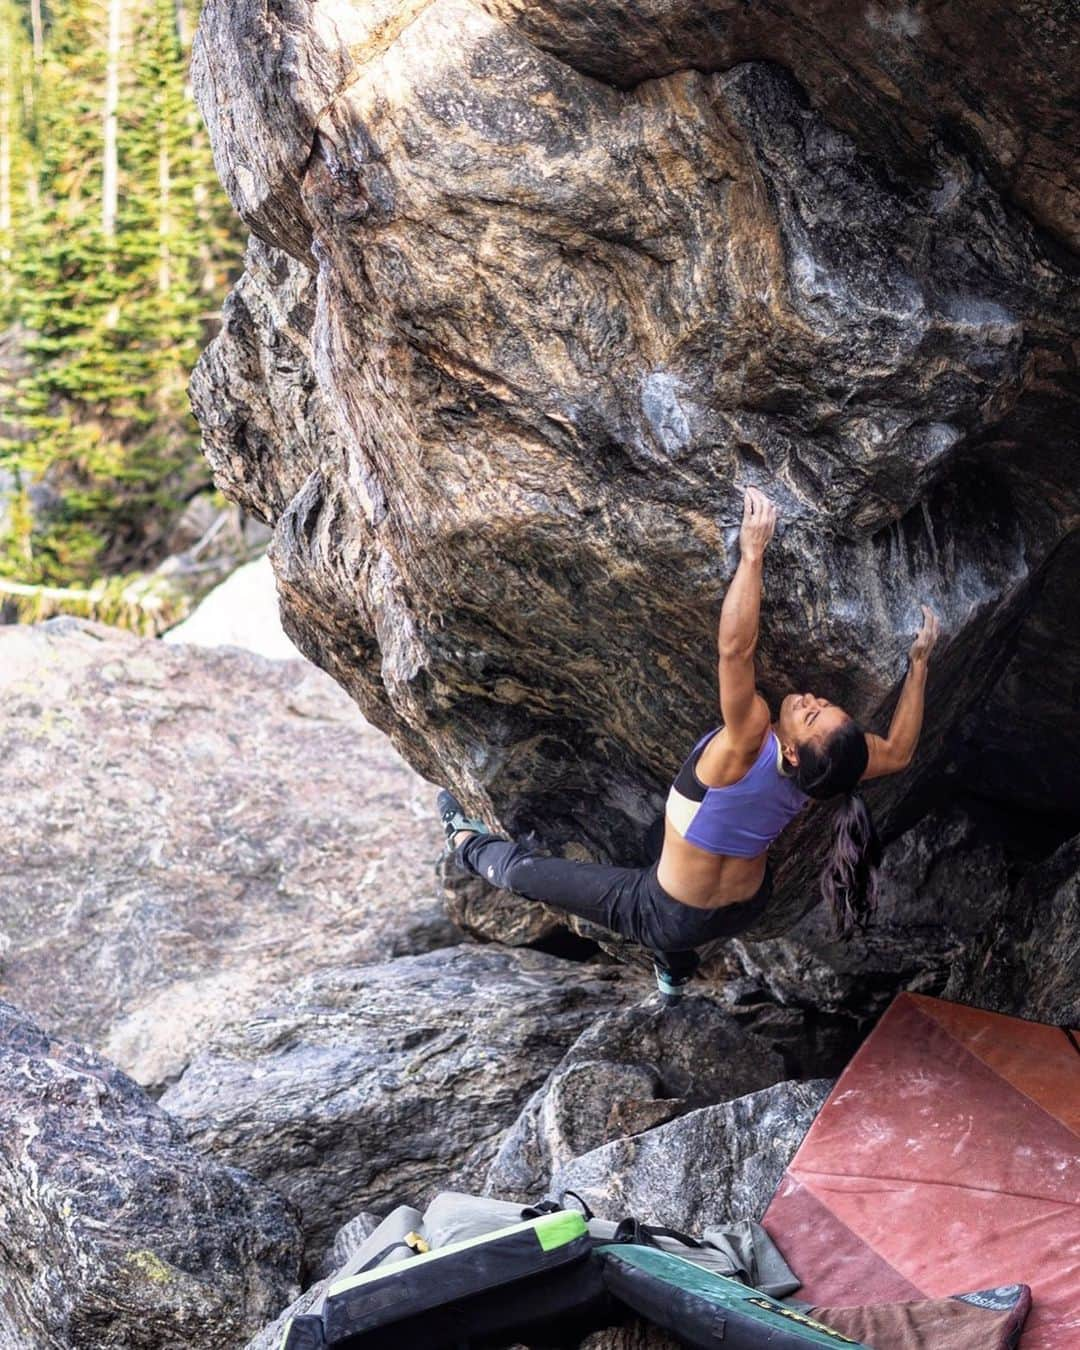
[{"x": 741, "y": 785}]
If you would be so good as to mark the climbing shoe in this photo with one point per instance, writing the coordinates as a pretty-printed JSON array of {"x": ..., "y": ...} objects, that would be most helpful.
[
  {"x": 671, "y": 990},
  {"x": 454, "y": 818}
]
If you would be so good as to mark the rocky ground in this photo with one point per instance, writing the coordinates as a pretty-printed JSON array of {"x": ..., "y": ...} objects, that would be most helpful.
[
  {"x": 187, "y": 830},
  {"x": 197, "y": 892},
  {"x": 116, "y": 1234},
  {"x": 218, "y": 878},
  {"x": 362, "y": 1087}
]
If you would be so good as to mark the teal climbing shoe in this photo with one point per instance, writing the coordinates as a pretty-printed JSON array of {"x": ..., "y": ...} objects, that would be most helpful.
[
  {"x": 671, "y": 990},
  {"x": 454, "y": 818}
]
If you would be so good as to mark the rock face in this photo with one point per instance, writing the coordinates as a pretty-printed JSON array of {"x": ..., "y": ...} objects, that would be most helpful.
[
  {"x": 632, "y": 1070},
  {"x": 719, "y": 1163},
  {"x": 186, "y": 830},
  {"x": 1027, "y": 960},
  {"x": 969, "y": 909},
  {"x": 117, "y": 1235},
  {"x": 941, "y": 883},
  {"x": 537, "y": 288},
  {"x": 376, "y": 1086}
]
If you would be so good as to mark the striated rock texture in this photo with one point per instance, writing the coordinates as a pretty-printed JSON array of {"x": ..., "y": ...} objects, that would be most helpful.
[
  {"x": 975, "y": 905},
  {"x": 380, "y": 1085},
  {"x": 536, "y": 288},
  {"x": 116, "y": 1234},
  {"x": 631, "y": 1070},
  {"x": 1027, "y": 960},
  {"x": 187, "y": 830},
  {"x": 718, "y": 1163},
  {"x": 941, "y": 883}
]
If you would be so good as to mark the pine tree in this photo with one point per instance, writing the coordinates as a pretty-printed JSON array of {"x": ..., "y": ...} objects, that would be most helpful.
[
  {"x": 61, "y": 293},
  {"x": 9, "y": 81},
  {"x": 106, "y": 276},
  {"x": 17, "y": 174}
]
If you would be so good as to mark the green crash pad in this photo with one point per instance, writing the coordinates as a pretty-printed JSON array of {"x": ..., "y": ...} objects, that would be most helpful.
[{"x": 706, "y": 1310}]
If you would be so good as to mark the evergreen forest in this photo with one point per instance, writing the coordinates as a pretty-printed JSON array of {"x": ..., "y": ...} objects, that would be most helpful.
[{"x": 117, "y": 246}]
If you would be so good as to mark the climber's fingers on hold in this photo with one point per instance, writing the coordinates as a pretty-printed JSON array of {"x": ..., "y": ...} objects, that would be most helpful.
[
  {"x": 927, "y": 634},
  {"x": 757, "y": 506}
]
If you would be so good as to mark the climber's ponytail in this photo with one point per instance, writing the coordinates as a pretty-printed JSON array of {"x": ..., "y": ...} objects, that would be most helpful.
[{"x": 849, "y": 879}]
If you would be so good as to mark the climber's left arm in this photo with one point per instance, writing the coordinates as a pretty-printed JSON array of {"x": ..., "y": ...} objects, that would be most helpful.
[
  {"x": 744, "y": 712},
  {"x": 891, "y": 753}
]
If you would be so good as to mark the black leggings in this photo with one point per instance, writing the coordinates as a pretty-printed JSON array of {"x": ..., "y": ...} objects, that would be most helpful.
[{"x": 626, "y": 900}]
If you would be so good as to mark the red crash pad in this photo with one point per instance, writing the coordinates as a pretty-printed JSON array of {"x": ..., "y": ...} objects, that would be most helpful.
[{"x": 946, "y": 1158}]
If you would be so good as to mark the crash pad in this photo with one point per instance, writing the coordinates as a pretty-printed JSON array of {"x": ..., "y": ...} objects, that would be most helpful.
[{"x": 947, "y": 1157}]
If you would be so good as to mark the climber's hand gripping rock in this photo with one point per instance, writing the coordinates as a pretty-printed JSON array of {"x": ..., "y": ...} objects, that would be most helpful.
[
  {"x": 758, "y": 524},
  {"x": 926, "y": 637}
]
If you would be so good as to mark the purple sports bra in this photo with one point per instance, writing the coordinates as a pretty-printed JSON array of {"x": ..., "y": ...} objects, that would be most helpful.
[{"x": 742, "y": 819}]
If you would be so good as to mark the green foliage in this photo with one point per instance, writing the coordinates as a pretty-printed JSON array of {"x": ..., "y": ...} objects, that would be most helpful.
[
  {"x": 143, "y": 603},
  {"x": 95, "y": 429}
]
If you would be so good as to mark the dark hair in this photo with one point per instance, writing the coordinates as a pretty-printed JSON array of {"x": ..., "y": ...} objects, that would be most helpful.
[{"x": 849, "y": 879}]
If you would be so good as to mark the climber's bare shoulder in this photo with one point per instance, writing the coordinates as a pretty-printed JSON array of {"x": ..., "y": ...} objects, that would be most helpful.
[{"x": 730, "y": 755}]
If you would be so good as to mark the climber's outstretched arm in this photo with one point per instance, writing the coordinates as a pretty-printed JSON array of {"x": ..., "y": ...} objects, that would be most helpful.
[
  {"x": 894, "y": 752},
  {"x": 745, "y": 712}
]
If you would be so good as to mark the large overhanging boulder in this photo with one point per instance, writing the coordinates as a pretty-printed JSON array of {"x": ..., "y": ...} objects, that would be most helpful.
[{"x": 538, "y": 288}]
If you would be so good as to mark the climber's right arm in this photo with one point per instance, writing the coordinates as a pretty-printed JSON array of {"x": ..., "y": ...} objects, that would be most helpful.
[
  {"x": 890, "y": 754},
  {"x": 745, "y": 712}
]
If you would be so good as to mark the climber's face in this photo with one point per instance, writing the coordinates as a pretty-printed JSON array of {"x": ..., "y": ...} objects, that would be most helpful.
[{"x": 806, "y": 718}]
